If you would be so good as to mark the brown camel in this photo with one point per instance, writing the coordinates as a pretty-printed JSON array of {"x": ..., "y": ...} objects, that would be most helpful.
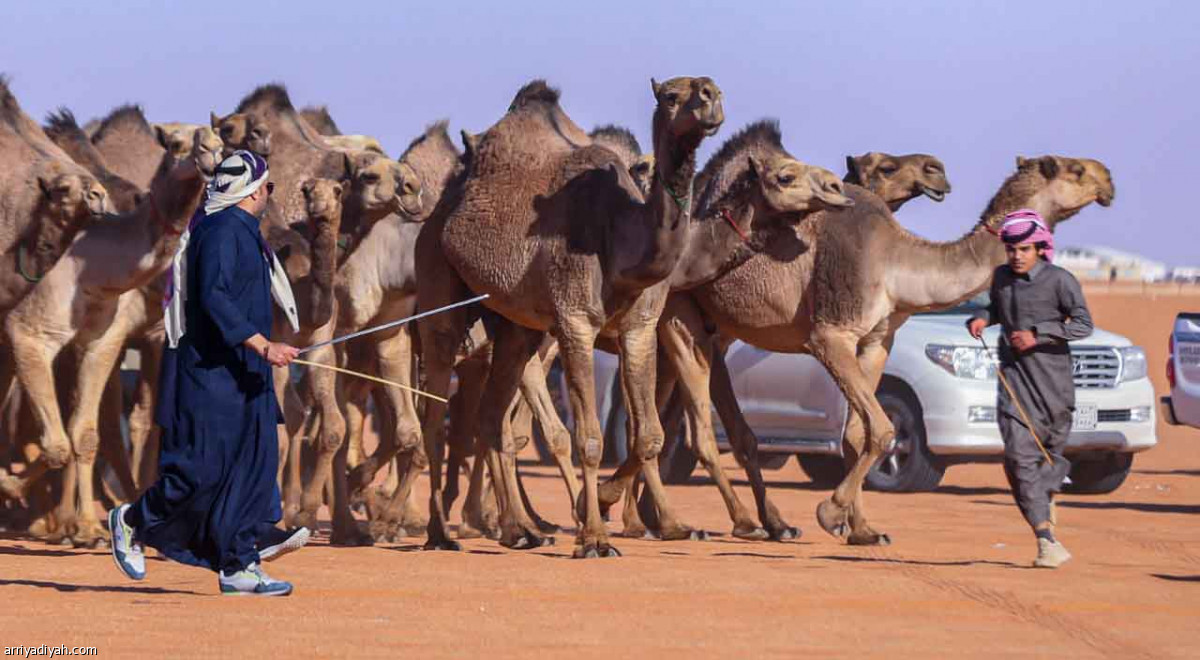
[
  {"x": 622, "y": 142},
  {"x": 62, "y": 129},
  {"x": 851, "y": 279},
  {"x": 895, "y": 180},
  {"x": 319, "y": 118},
  {"x": 107, "y": 260},
  {"x": 580, "y": 254}
]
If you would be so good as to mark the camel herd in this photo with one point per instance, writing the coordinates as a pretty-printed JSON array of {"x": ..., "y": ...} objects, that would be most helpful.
[{"x": 580, "y": 241}]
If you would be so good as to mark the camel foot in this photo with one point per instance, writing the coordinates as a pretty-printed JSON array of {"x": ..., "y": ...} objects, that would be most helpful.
[
  {"x": 40, "y": 528},
  {"x": 443, "y": 544},
  {"x": 350, "y": 536},
  {"x": 547, "y": 527},
  {"x": 832, "y": 518},
  {"x": 290, "y": 513},
  {"x": 468, "y": 531},
  {"x": 595, "y": 551},
  {"x": 305, "y": 518},
  {"x": 89, "y": 534},
  {"x": 526, "y": 540},
  {"x": 10, "y": 486},
  {"x": 868, "y": 538},
  {"x": 750, "y": 532},
  {"x": 683, "y": 533},
  {"x": 380, "y": 530},
  {"x": 637, "y": 531},
  {"x": 784, "y": 533}
]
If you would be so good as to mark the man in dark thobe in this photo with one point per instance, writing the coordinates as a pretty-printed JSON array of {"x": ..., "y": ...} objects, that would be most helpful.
[
  {"x": 217, "y": 405},
  {"x": 1040, "y": 307}
]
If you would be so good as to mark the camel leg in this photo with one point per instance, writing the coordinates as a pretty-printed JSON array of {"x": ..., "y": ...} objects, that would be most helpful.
[
  {"x": 142, "y": 436},
  {"x": 330, "y": 467},
  {"x": 34, "y": 355},
  {"x": 520, "y": 425},
  {"x": 464, "y": 428},
  {"x": 512, "y": 349},
  {"x": 355, "y": 394},
  {"x": 872, "y": 358},
  {"x": 690, "y": 349},
  {"x": 112, "y": 442},
  {"x": 541, "y": 404},
  {"x": 96, "y": 370},
  {"x": 576, "y": 339},
  {"x": 837, "y": 349}
]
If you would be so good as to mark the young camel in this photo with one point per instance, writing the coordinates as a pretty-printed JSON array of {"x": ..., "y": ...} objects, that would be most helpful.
[
  {"x": 854, "y": 277},
  {"x": 554, "y": 230},
  {"x": 894, "y": 179},
  {"x": 106, "y": 261}
]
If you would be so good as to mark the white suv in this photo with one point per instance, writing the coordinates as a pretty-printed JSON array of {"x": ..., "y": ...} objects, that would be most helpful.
[
  {"x": 1183, "y": 372},
  {"x": 939, "y": 389}
]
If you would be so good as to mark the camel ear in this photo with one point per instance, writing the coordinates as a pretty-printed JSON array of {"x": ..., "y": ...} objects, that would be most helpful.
[
  {"x": 640, "y": 168},
  {"x": 1049, "y": 167},
  {"x": 348, "y": 166},
  {"x": 655, "y": 87},
  {"x": 853, "y": 171},
  {"x": 161, "y": 136},
  {"x": 307, "y": 187},
  {"x": 1022, "y": 162},
  {"x": 337, "y": 190},
  {"x": 756, "y": 166},
  {"x": 214, "y": 120}
]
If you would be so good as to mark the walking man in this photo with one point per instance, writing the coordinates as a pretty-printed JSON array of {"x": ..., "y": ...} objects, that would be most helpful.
[
  {"x": 216, "y": 489},
  {"x": 1039, "y": 307}
]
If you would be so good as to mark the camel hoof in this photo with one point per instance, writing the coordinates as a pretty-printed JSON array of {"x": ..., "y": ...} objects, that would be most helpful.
[
  {"x": 547, "y": 527},
  {"x": 869, "y": 538},
  {"x": 305, "y": 519},
  {"x": 467, "y": 531},
  {"x": 637, "y": 532},
  {"x": 607, "y": 551},
  {"x": 751, "y": 533},
  {"x": 595, "y": 551},
  {"x": 527, "y": 541},
  {"x": 351, "y": 538},
  {"x": 698, "y": 535},
  {"x": 785, "y": 533},
  {"x": 832, "y": 518},
  {"x": 683, "y": 533},
  {"x": 444, "y": 544}
]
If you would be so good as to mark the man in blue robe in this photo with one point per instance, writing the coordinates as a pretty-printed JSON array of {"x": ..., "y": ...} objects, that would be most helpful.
[{"x": 217, "y": 407}]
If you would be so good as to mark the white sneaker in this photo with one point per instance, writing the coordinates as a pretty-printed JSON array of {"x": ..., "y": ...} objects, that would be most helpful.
[
  {"x": 1051, "y": 554},
  {"x": 252, "y": 581},
  {"x": 126, "y": 552},
  {"x": 282, "y": 543}
]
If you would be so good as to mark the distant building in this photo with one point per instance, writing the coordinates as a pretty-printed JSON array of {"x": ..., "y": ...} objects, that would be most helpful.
[
  {"x": 1105, "y": 263},
  {"x": 1186, "y": 274}
]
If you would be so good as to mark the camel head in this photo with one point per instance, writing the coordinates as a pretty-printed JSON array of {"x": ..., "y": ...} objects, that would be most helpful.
[
  {"x": 207, "y": 151},
  {"x": 379, "y": 185},
  {"x": 786, "y": 185},
  {"x": 323, "y": 204},
  {"x": 688, "y": 108},
  {"x": 243, "y": 130},
  {"x": 642, "y": 172},
  {"x": 176, "y": 138},
  {"x": 69, "y": 200},
  {"x": 898, "y": 179},
  {"x": 1060, "y": 186}
]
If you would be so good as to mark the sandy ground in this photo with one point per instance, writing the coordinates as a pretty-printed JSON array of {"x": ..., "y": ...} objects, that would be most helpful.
[{"x": 954, "y": 582}]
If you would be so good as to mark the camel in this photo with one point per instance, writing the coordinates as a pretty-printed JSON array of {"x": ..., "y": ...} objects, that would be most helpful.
[
  {"x": 319, "y": 118},
  {"x": 622, "y": 142},
  {"x": 552, "y": 227},
  {"x": 894, "y": 179},
  {"x": 375, "y": 284},
  {"x": 851, "y": 280},
  {"x": 376, "y": 187},
  {"x": 106, "y": 261},
  {"x": 62, "y": 129},
  {"x": 48, "y": 199},
  {"x": 129, "y": 145}
]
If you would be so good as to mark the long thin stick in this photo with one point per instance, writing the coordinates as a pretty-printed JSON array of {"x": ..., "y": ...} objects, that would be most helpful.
[
  {"x": 1020, "y": 409},
  {"x": 369, "y": 377},
  {"x": 391, "y": 324}
]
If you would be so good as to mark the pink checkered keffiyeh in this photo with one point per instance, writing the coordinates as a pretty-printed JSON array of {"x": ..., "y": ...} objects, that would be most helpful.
[{"x": 1026, "y": 226}]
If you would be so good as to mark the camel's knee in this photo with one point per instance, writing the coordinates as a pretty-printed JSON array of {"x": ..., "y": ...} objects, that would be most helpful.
[{"x": 591, "y": 449}]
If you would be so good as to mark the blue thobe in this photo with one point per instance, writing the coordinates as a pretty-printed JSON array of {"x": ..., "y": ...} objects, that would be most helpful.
[{"x": 217, "y": 408}]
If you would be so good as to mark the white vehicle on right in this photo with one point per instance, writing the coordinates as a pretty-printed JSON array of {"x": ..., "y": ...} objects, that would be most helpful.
[{"x": 1182, "y": 407}]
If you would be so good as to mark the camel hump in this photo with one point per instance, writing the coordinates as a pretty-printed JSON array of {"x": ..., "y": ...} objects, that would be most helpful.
[{"x": 536, "y": 92}]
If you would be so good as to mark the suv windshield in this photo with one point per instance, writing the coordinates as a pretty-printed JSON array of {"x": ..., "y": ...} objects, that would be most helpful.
[{"x": 965, "y": 308}]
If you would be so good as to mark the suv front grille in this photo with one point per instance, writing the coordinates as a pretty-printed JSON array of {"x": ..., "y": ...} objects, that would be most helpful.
[
  {"x": 1114, "y": 415},
  {"x": 1095, "y": 366}
]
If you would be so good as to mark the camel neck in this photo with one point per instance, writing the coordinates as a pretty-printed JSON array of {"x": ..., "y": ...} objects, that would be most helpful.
[
  {"x": 665, "y": 218},
  {"x": 722, "y": 237},
  {"x": 323, "y": 271}
]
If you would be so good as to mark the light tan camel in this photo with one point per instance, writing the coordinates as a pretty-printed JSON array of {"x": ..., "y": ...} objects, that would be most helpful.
[
  {"x": 62, "y": 129},
  {"x": 852, "y": 278},
  {"x": 48, "y": 199},
  {"x": 376, "y": 187},
  {"x": 107, "y": 260},
  {"x": 129, "y": 145},
  {"x": 376, "y": 284},
  {"x": 554, "y": 230},
  {"x": 895, "y": 180}
]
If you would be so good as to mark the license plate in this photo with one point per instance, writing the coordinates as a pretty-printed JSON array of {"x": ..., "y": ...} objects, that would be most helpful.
[{"x": 1086, "y": 416}]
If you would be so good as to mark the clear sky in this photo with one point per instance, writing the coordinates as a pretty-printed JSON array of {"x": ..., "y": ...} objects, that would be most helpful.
[{"x": 973, "y": 83}]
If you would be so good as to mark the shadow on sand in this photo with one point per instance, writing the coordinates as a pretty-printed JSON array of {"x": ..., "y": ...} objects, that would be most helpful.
[
  {"x": 59, "y": 586},
  {"x": 1176, "y": 578},
  {"x": 913, "y": 562}
]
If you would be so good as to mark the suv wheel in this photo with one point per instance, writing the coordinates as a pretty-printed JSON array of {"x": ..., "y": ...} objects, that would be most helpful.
[
  {"x": 908, "y": 466},
  {"x": 1097, "y": 476}
]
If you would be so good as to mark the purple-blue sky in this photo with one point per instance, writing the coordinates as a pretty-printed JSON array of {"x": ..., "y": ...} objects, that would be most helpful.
[{"x": 975, "y": 84}]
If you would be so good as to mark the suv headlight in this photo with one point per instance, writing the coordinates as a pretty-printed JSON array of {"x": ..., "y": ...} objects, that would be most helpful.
[
  {"x": 1133, "y": 363},
  {"x": 963, "y": 361}
]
